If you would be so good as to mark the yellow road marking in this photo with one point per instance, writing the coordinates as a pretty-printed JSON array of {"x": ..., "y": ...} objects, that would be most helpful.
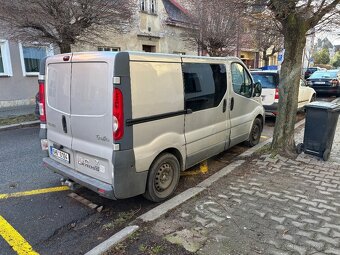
[
  {"x": 263, "y": 136},
  {"x": 33, "y": 192},
  {"x": 203, "y": 169},
  {"x": 14, "y": 239}
]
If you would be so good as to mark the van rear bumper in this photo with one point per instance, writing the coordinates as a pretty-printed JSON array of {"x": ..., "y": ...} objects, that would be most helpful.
[{"x": 84, "y": 180}]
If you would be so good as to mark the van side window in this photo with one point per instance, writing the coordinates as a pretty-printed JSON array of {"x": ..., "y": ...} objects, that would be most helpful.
[
  {"x": 242, "y": 83},
  {"x": 204, "y": 85}
]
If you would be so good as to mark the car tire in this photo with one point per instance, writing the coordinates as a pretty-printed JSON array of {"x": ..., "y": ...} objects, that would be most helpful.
[
  {"x": 326, "y": 154},
  {"x": 299, "y": 148},
  {"x": 313, "y": 98},
  {"x": 163, "y": 178},
  {"x": 255, "y": 133}
]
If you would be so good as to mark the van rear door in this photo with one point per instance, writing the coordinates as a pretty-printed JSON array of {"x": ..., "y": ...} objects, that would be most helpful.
[
  {"x": 58, "y": 110},
  {"x": 91, "y": 114}
]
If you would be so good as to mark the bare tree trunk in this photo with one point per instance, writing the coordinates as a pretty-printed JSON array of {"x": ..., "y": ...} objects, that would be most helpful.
[
  {"x": 64, "y": 47},
  {"x": 265, "y": 58},
  {"x": 295, "y": 40}
]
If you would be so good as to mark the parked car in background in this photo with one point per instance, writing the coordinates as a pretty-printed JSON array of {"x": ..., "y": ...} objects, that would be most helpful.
[
  {"x": 310, "y": 71},
  {"x": 270, "y": 91},
  {"x": 325, "y": 82}
]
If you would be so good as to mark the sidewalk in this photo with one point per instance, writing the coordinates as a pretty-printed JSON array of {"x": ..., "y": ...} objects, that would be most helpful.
[
  {"x": 18, "y": 117},
  {"x": 16, "y": 111},
  {"x": 265, "y": 206}
]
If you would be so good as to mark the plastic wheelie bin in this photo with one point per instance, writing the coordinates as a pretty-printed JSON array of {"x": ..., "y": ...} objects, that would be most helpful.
[{"x": 321, "y": 122}]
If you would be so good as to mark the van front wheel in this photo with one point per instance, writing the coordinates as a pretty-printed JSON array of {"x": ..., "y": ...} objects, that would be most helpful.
[
  {"x": 255, "y": 133},
  {"x": 163, "y": 178}
]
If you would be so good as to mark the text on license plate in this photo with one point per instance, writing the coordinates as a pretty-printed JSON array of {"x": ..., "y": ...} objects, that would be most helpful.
[{"x": 60, "y": 154}]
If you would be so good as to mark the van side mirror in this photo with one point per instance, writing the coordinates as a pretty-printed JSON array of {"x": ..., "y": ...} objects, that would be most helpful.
[{"x": 257, "y": 89}]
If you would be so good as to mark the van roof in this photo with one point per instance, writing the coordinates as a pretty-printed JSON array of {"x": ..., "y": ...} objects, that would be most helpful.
[
  {"x": 136, "y": 55},
  {"x": 163, "y": 57}
]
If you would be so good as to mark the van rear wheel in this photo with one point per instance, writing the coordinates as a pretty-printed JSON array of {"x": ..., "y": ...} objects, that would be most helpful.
[
  {"x": 163, "y": 178},
  {"x": 255, "y": 133}
]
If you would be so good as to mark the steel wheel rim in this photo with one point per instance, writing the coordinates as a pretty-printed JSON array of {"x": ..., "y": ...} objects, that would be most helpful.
[
  {"x": 255, "y": 133},
  {"x": 164, "y": 177}
]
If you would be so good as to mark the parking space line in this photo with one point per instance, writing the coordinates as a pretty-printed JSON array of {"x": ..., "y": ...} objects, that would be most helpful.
[
  {"x": 14, "y": 239},
  {"x": 33, "y": 192}
]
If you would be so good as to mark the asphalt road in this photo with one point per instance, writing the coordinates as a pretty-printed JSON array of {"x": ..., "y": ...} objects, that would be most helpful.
[
  {"x": 35, "y": 217},
  {"x": 54, "y": 223}
]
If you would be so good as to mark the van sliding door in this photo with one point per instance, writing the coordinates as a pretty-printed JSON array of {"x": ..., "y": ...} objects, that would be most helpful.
[{"x": 207, "y": 128}]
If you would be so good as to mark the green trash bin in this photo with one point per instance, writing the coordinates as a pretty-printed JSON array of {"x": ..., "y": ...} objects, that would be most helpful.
[{"x": 321, "y": 122}]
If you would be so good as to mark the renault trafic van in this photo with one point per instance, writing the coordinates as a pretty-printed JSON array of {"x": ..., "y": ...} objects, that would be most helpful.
[{"x": 127, "y": 123}]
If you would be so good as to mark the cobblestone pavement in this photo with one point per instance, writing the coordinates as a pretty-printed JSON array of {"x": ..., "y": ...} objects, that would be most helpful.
[{"x": 267, "y": 206}]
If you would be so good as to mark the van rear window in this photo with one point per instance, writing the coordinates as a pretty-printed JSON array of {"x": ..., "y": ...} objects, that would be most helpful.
[
  {"x": 58, "y": 86},
  {"x": 204, "y": 85},
  {"x": 90, "y": 90}
]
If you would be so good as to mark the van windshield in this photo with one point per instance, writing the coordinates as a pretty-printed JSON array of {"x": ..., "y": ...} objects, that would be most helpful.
[{"x": 267, "y": 80}]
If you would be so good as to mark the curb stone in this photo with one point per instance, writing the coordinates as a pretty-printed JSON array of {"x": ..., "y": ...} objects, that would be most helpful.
[
  {"x": 20, "y": 125},
  {"x": 113, "y": 240},
  {"x": 168, "y": 205}
]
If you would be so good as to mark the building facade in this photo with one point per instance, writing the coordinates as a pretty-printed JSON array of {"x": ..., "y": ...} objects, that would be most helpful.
[
  {"x": 19, "y": 67},
  {"x": 158, "y": 26}
]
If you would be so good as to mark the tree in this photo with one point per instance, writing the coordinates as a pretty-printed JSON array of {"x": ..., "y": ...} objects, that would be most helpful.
[
  {"x": 266, "y": 35},
  {"x": 296, "y": 19},
  {"x": 321, "y": 57},
  {"x": 64, "y": 22},
  {"x": 215, "y": 26},
  {"x": 336, "y": 60}
]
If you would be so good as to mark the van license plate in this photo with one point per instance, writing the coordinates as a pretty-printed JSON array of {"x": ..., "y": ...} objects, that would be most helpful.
[
  {"x": 319, "y": 82},
  {"x": 60, "y": 154}
]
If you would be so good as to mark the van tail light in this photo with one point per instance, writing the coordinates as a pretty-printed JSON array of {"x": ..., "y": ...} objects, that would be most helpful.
[
  {"x": 276, "y": 94},
  {"x": 117, "y": 115},
  {"x": 42, "y": 101}
]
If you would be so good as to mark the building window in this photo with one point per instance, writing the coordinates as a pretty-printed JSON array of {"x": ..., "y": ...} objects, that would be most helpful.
[
  {"x": 153, "y": 6},
  {"x": 104, "y": 48},
  {"x": 31, "y": 56},
  {"x": 5, "y": 59},
  {"x": 142, "y": 6},
  {"x": 149, "y": 48},
  {"x": 2, "y": 70}
]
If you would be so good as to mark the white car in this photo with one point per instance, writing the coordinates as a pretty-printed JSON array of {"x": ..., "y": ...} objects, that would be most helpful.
[{"x": 270, "y": 91}]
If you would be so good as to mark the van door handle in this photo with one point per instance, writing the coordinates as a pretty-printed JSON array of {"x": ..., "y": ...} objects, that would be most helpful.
[
  {"x": 224, "y": 105},
  {"x": 63, "y": 122},
  {"x": 188, "y": 111},
  {"x": 231, "y": 104}
]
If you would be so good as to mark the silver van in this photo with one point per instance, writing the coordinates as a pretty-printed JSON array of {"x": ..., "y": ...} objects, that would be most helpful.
[{"x": 127, "y": 123}]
